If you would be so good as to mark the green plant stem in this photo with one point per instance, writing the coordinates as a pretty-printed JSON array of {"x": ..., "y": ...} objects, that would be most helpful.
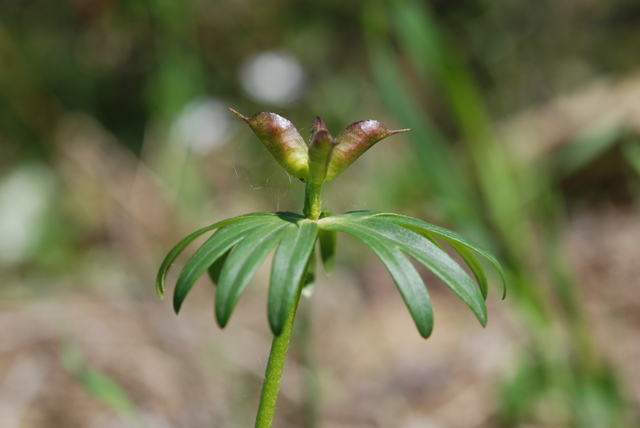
[
  {"x": 313, "y": 200},
  {"x": 310, "y": 399},
  {"x": 273, "y": 374}
]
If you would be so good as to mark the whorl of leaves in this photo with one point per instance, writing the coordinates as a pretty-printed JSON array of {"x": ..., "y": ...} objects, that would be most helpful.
[{"x": 235, "y": 251}]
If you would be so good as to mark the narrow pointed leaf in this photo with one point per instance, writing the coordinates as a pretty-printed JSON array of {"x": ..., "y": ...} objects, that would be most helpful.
[
  {"x": 421, "y": 249},
  {"x": 432, "y": 239},
  {"x": 450, "y": 237},
  {"x": 177, "y": 249},
  {"x": 310, "y": 278},
  {"x": 472, "y": 261},
  {"x": 405, "y": 276},
  {"x": 243, "y": 261},
  {"x": 328, "y": 242},
  {"x": 436, "y": 260},
  {"x": 467, "y": 255},
  {"x": 288, "y": 269},
  {"x": 359, "y": 214},
  {"x": 215, "y": 269},
  {"x": 213, "y": 248}
]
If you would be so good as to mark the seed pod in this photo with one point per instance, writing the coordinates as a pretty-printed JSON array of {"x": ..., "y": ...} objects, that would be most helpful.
[
  {"x": 282, "y": 139},
  {"x": 356, "y": 139},
  {"x": 320, "y": 150},
  {"x": 316, "y": 125}
]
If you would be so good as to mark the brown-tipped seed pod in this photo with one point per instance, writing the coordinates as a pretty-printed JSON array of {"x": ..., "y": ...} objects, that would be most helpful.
[
  {"x": 282, "y": 139},
  {"x": 316, "y": 125},
  {"x": 356, "y": 139},
  {"x": 320, "y": 150}
]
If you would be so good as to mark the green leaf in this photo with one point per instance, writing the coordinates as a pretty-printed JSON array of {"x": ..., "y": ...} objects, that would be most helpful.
[
  {"x": 467, "y": 255},
  {"x": 213, "y": 248},
  {"x": 421, "y": 249},
  {"x": 359, "y": 214},
  {"x": 310, "y": 278},
  {"x": 472, "y": 261},
  {"x": 405, "y": 276},
  {"x": 288, "y": 269},
  {"x": 177, "y": 249},
  {"x": 243, "y": 261},
  {"x": 328, "y": 242},
  {"x": 436, "y": 260},
  {"x": 215, "y": 269},
  {"x": 452, "y": 238}
]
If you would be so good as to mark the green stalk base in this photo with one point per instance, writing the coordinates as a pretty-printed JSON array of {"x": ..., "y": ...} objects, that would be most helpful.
[
  {"x": 312, "y": 201},
  {"x": 273, "y": 374}
]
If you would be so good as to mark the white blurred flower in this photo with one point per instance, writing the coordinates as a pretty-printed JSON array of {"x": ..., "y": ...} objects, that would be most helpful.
[
  {"x": 273, "y": 77},
  {"x": 203, "y": 125},
  {"x": 25, "y": 195}
]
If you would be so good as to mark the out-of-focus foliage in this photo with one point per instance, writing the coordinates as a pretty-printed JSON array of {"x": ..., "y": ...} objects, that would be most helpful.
[{"x": 525, "y": 137}]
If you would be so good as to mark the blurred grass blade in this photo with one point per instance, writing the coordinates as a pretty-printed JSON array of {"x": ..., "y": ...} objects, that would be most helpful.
[
  {"x": 218, "y": 244},
  {"x": 419, "y": 35},
  {"x": 586, "y": 147},
  {"x": 443, "y": 176},
  {"x": 99, "y": 385},
  {"x": 423, "y": 40},
  {"x": 428, "y": 144},
  {"x": 631, "y": 154},
  {"x": 454, "y": 239},
  {"x": 427, "y": 48},
  {"x": 177, "y": 249},
  {"x": 243, "y": 261},
  {"x": 405, "y": 276},
  {"x": 107, "y": 391},
  {"x": 288, "y": 268}
]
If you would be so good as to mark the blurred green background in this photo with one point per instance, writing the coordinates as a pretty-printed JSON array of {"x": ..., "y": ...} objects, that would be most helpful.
[{"x": 115, "y": 142}]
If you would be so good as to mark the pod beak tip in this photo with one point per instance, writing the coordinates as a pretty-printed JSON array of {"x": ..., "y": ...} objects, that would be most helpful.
[{"x": 238, "y": 114}]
